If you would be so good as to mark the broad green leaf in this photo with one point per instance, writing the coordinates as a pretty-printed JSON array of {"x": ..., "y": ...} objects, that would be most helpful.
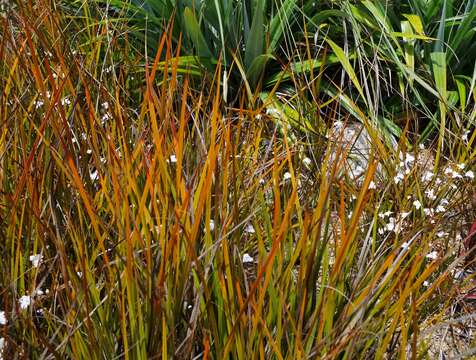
[
  {"x": 409, "y": 47},
  {"x": 410, "y": 36},
  {"x": 461, "y": 93},
  {"x": 344, "y": 60},
  {"x": 257, "y": 66},
  {"x": 255, "y": 42},
  {"x": 195, "y": 33},
  {"x": 416, "y": 23},
  {"x": 438, "y": 61},
  {"x": 441, "y": 31}
]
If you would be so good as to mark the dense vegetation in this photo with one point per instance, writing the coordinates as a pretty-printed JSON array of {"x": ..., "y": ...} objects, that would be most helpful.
[{"x": 270, "y": 179}]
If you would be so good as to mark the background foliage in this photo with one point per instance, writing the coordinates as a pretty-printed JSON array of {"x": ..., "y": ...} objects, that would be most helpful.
[{"x": 165, "y": 196}]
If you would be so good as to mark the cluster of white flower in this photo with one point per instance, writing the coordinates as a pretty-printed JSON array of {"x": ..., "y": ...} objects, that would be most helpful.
[
  {"x": 456, "y": 174},
  {"x": 405, "y": 165},
  {"x": 394, "y": 223}
]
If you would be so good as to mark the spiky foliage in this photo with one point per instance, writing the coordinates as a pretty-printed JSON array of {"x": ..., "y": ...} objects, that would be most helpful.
[{"x": 165, "y": 224}]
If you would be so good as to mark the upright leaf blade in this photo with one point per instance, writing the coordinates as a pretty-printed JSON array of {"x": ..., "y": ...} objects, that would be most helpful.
[{"x": 195, "y": 33}]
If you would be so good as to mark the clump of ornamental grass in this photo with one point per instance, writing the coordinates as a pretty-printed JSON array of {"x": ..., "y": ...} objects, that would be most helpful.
[{"x": 142, "y": 217}]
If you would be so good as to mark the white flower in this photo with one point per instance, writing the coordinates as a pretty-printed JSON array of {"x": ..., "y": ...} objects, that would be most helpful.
[
  {"x": 441, "y": 234},
  {"x": 409, "y": 158},
  {"x": 430, "y": 194},
  {"x": 89, "y": 151},
  {"x": 372, "y": 185},
  {"x": 391, "y": 224},
  {"x": 469, "y": 174},
  {"x": 432, "y": 255},
  {"x": 35, "y": 260},
  {"x": 440, "y": 209},
  {"x": 358, "y": 170},
  {"x": 65, "y": 101},
  {"x": 452, "y": 173},
  {"x": 105, "y": 105},
  {"x": 39, "y": 292},
  {"x": 3, "y": 318},
  {"x": 426, "y": 283},
  {"x": 24, "y": 301},
  {"x": 273, "y": 112},
  {"x": 458, "y": 274},
  {"x": 250, "y": 229},
  {"x": 286, "y": 176},
  {"x": 428, "y": 211},
  {"x": 385, "y": 214},
  {"x": 173, "y": 158},
  {"x": 261, "y": 181},
  {"x": 105, "y": 118},
  {"x": 427, "y": 176},
  {"x": 247, "y": 258},
  {"x": 38, "y": 104},
  {"x": 399, "y": 177},
  {"x": 94, "y": 175},
  {"x": 422, "y": 146},
  {"x": 465, "y": 135},
  {"x": 417, "y": 204},
  {"x": 307, "y": 161},
  {"x": 212, "y": 225},
  {"x": 461, "y": 166}
]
